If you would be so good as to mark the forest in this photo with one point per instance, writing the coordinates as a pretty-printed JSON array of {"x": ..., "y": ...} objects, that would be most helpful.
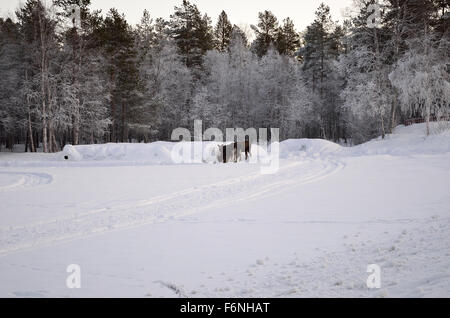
[{"x": 103, "y": 80}]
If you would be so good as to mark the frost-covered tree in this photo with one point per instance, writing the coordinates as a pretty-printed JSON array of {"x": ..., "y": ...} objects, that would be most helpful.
[
  {"x": 284, "y": 104},
  {"x": 244, "y": 91},
  {"x": 366, "y": 99},
  {"x": 145, "y": 34},
  {"x": 368, "y": 93},
  {"x": 168, "y": 86},
  {"x": 422, "y": 79},
  {"x": 38, "y": 31},
  {"x": 83, "y": 93},
  {"x": 108, "y": 81}
]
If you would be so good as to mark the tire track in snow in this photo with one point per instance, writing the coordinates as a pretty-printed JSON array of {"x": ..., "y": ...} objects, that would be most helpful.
[{"x": 164, "y": 207}]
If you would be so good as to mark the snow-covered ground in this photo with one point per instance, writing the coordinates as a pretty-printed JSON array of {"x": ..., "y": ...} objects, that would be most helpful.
[{"x": 140, "y": 226}]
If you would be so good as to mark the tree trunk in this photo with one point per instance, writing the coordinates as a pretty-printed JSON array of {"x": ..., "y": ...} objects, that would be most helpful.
[
  {"x": 113, "y": 111},
  {"x": 49, "y": 140},
  {"x": 30, "y": 133},
  {"x": 44, "y": 120},
  {"x": 11, "y": 143},
  {"x": 43, "y": 82},
  {"x": 36, "y": 140},
  {"x": 26, "y": 143},
  {"x": 392, "y": 122},
  {"x": 76, "y": 132},
  {"x": 427, "y": 118},
  {"x": 124, "y": 124},
  {"x": 54, "y": 143}
]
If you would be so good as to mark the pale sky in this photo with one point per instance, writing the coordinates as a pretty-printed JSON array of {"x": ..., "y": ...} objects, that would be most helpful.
[{"x": 240, "y": 12}]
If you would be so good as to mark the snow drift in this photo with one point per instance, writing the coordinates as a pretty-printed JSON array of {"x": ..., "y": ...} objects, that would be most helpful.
[{"x": 405, "y": 141}]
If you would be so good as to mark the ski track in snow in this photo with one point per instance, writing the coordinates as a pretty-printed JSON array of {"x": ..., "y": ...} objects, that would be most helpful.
[
  {"x": 160, "y": 208},
  {"x": 412, "y": 248},
  {"x": 20, "y": 180}
]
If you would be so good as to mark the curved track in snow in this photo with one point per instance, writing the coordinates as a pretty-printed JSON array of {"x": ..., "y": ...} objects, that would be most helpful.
[
  {"x": 11, "y": 181},
  {"x": 161, "y": 208}
]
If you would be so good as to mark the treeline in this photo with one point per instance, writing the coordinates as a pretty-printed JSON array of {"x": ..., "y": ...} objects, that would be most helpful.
[{"x": 102, "y": 80}]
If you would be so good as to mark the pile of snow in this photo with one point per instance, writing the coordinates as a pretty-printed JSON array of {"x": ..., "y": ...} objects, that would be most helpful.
[
  {"x": 71, "y": 153},
  {"x": 405, "y": 141},
  {"x": 408, "y": 140},
  {"x": 158, "y": 153},
  {"x": 154, "y": 153},
  {"x": 307, "y": 147}
]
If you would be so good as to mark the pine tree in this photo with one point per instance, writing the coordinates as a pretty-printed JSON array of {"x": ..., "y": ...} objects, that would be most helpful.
[
  {"x": 13, "y": 106},
  {"x": 238, "y": 33},
  {"x": 119, "y": 49},
  {"x": 223, "y": 32},
  {"x": 192, "y": 32},
  {"x": 266, "y": 32},
  {"x": 319, "y": 54},
  {"x": 319, "y": 47},
  {"x": 145, "y": 35},
  {"x": 287, "y": 39}
]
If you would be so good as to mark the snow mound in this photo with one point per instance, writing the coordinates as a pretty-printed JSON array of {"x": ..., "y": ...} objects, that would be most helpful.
[
  {"x": 410, "y": 140},
  {"x": 307, "y": 147},
  {"x": 70, "y": 153},
  {"x": 155, "y": 153},
  {"x": 405, "y": 141}
]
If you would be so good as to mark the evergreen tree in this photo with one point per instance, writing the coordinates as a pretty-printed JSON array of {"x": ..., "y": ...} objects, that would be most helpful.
[
  {"x": 145, "y": 35},
  {"x": 319, "y": 54},
  {"x": 192, "y": 32},
  {"x": 319, "y": 47},
  {"x": 223, "y": 32},
  {"x": 238, "y": 33},
  {"x": 13, "y": 97},
  {"x": 266, "y": 32},
  {"x": 119, "y": 49},
  {"x": 287, "y": 39}
]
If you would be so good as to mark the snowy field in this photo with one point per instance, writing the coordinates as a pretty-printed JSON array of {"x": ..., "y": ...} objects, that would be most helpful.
[{"x": 139, "y": 226}]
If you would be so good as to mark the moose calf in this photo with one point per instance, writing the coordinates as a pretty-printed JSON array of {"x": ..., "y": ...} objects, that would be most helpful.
[{"x": 232, "y": 152}]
